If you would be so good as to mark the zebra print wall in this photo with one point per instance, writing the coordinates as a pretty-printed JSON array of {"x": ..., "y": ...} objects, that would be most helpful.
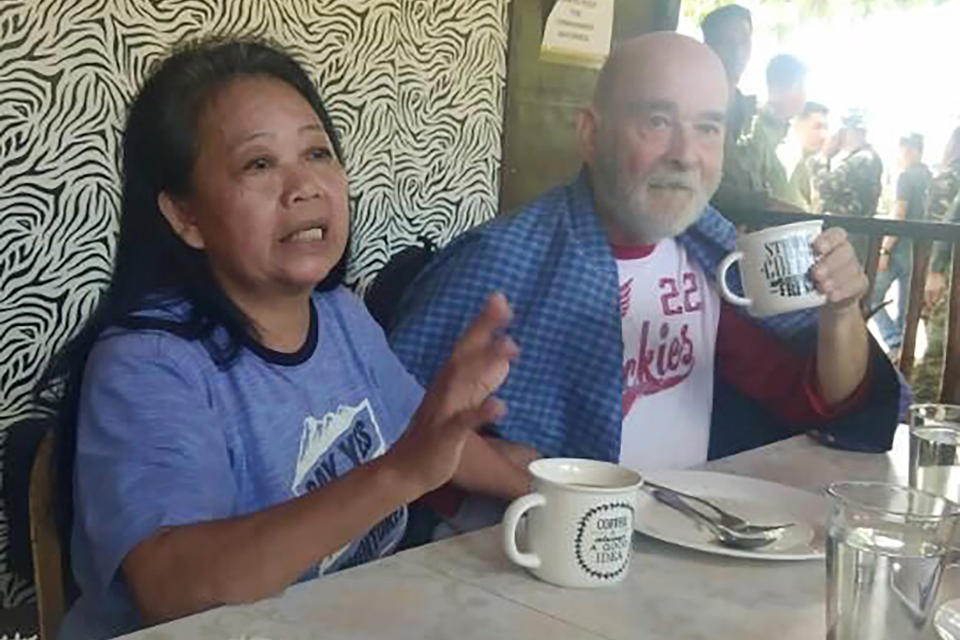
[{"x": 414, "y": 86}]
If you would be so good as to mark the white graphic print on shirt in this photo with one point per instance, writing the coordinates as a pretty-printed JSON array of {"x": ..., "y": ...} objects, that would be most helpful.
[
  {"x": 660, "y": 360},
  {"x": 364, "y": 442},
  {"x": 329, "y": 447},
  {"x": 669, "y": 314}
]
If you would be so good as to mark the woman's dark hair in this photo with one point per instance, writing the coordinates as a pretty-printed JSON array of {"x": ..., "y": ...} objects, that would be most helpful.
[{"x": 159, "y": 151}]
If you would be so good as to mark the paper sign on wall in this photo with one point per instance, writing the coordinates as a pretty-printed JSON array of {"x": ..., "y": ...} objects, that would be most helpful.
[{"x": 578, "y": 33}]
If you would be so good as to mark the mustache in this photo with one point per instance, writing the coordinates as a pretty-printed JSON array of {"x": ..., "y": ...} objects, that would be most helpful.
[{"x": 674, "y": 179}]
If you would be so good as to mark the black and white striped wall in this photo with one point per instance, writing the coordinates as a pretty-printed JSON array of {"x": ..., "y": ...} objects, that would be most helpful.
[{"x": 414, "y": 86}]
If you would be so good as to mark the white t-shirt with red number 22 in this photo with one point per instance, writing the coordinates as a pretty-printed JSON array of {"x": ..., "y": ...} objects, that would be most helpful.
[{"x": 670, "y": 314}]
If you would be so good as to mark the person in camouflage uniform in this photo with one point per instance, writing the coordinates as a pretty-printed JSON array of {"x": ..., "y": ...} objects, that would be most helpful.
[
  {"x": 847, "y": 177},
  {"x": 751, "y": 164},
  {"x": 943, "y": 205},
  {"x": 849, "y": 185},
  {"x": 811, "y": 128},
  {"x": 941, "y": 197}
]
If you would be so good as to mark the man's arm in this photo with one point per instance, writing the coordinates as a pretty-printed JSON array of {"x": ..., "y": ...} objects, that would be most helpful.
[
  {"x": 842, "y": 344},
  {"x": 804, "y": 388},
  {"x": 899, "y": 212},
  {"x": 779, "y": 376}
]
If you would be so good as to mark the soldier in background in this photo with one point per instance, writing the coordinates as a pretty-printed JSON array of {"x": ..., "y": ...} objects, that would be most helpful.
[
  {"x": 847, "y": 175},
  {"x": 751, "y": 166},
  {"x": 811, "y": 130},
  {"x": 943, "y": 205},
  {"x": 728, "y": 30}
]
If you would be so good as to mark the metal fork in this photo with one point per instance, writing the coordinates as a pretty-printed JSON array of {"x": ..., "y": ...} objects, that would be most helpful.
[{"x": 727, "y": 519}]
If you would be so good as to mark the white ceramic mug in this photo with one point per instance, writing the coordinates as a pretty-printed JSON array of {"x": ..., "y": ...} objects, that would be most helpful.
[
  {"x": 580, "y": 527},
  {"x": 774, "y": 269}
]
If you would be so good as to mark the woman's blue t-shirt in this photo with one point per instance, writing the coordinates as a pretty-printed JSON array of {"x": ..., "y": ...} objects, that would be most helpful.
[{"x": 167, "y": 438}]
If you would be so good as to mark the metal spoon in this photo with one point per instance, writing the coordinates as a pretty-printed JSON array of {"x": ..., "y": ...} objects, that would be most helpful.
[
  {"x": 724, "y": 535},
  {"x": 727, "y": 519}
]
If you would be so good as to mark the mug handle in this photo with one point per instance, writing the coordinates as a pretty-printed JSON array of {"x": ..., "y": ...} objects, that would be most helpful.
[
  {"x": 725, "y": 291},
  {"x": 511, "y": 519}
]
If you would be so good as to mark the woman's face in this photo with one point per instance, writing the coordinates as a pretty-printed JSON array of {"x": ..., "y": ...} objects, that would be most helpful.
[{"x": 269, "y": 198}]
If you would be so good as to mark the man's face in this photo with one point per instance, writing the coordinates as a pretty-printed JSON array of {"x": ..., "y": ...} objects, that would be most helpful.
[
  {"x": 794, "y": 98},
  {"x": 658, "y": 149},
  {"x": 813, "y": 130},
  {"x": 907, "y": 156},
  {"x": 732, "y": 41}
]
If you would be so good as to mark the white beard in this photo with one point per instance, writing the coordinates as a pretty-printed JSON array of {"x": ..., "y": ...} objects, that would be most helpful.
[{"x": 634, "y": 207}]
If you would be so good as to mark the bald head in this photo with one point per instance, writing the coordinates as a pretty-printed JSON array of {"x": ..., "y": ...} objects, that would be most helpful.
[
  {"x": 660, "y": 61},
  {"x": 653, "y": 139}
]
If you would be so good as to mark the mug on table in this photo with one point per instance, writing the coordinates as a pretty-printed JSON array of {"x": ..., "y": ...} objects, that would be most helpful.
[{"x": 580, "y": 523}]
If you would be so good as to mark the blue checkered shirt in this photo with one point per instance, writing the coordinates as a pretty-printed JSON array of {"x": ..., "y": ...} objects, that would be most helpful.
[{"x": 553, "y": 261}]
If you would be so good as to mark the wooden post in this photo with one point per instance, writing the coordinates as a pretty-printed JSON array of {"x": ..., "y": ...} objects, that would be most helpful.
[
  {"x": 918, "y": 277},
  {"x": 950, "y": 388}
]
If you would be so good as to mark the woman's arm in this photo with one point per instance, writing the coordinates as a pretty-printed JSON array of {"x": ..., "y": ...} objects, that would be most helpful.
[
  {"x": 489, "y": 468},
  {"x": 185, "y": 569},
  {"x": 182, "y": 570}
]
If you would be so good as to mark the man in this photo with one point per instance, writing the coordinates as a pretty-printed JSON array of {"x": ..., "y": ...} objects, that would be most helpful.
[
  {"x": 618, "y": 319},
  {"x": 943, "y": 205},
  {"x": 751, "y": 169},
  {"x": 896, "y": 256},
  {"x": 811, "y": 129},
  {"x": 728, "y": 30},
  {"x": 847, "y": 175}
]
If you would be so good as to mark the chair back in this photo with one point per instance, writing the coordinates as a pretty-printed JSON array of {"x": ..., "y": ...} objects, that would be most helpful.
[
  {"x": 48, "y": 566},
  {"x": 383, "y": 297}
]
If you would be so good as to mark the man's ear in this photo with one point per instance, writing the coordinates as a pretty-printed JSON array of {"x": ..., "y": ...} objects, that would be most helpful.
[
  {"x": 183, "y": 223},
  {"x": 587, "y": 123}
]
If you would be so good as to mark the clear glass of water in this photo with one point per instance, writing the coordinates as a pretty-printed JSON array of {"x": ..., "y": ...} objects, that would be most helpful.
[
  {"x": 935, "y": 449},
  {"x": 887, "y": 547},
  {"x": 935, "y": 467}
]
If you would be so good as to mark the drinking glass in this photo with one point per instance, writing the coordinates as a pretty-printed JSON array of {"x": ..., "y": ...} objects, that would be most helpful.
[
  {"x": 887, "y": 548},
  {"x": 935, "y": 449}
]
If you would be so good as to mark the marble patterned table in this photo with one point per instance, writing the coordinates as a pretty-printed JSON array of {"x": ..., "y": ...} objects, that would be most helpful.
[{"x": 465, "y": 588}]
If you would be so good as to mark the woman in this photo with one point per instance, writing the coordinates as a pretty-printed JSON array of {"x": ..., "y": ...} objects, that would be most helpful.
[{"x": 236, "y": 419}]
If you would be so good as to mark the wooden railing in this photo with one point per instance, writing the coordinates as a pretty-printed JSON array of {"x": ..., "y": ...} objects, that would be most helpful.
[{"x": 923, "y": 234}]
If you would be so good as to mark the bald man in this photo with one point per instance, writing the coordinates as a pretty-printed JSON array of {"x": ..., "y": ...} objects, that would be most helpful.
[{"x": 626, "y": 347}]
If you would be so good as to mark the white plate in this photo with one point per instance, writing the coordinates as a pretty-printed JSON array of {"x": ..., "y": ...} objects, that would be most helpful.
[{"x": 756, "y": 500}]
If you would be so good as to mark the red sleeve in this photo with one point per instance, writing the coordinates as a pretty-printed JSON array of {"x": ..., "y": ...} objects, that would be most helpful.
[{"x": 764, "y": 368}]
